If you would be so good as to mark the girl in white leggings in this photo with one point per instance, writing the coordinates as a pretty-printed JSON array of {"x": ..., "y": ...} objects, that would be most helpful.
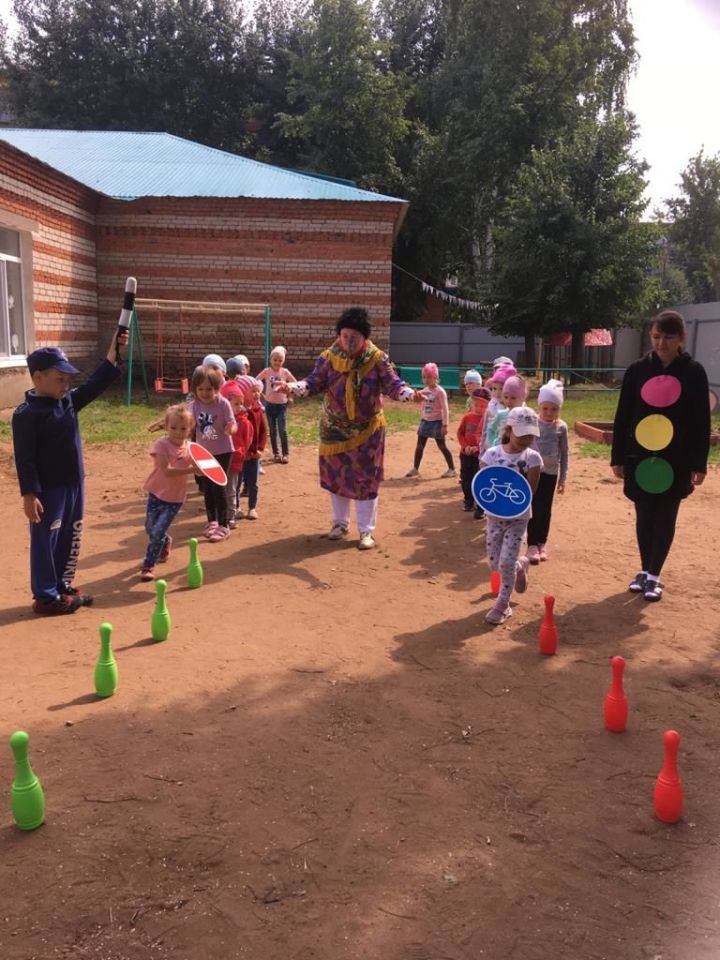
[{"x": 505, "y": 537}]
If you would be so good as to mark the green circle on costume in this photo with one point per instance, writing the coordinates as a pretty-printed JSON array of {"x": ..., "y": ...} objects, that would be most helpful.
[
  {"x": 654, "y": 432},
  {"x": 654, "y": 475}
]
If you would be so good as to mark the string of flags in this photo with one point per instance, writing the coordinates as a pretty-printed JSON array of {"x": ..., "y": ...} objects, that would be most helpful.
[{"x": 456, "y": 301}]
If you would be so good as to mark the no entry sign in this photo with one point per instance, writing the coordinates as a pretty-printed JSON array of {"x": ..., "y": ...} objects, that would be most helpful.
[{"x": 207, "y": 463}]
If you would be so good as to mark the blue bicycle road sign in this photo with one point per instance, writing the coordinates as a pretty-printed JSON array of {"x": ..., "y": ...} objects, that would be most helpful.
[{"x": 501, "y": 492}]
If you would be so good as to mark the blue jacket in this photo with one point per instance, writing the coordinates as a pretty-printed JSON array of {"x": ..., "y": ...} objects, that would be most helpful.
[{"x": 46, "y": 436}]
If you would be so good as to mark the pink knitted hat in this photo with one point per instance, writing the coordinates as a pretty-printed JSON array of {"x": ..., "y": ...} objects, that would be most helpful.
[
  {"x": 431, "y": 370},
  {"x": 516, "y": 386},
  {"x": 502, "y": 374},
  {"x": 247, "y": 384}
]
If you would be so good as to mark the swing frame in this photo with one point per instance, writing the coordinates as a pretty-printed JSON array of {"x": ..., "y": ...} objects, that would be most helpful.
[{"x": 163, "y": 384}]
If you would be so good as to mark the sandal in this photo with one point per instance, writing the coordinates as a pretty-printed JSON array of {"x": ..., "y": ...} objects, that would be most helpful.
[
  {"x": 210, "y": 529},
  {"x": 653, "y": 591},
  {"x": 498, "y": 614},
  {"x": 638, "y": 584}
]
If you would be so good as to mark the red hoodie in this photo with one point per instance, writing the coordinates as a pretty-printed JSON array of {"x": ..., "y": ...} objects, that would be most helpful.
[
  {"x": 242, "y": 438},
  {"x": 259, "y": 439}
]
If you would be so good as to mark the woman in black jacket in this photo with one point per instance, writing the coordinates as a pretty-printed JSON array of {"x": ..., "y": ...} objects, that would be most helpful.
[{"x": 661, "y": 439}]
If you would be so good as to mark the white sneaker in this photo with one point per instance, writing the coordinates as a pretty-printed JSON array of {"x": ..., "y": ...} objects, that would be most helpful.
[
  {"x": 449, "y": 473},
  {"x": 413, "y": 473},
  {"x": 339, "y": 530},
  {"x": 366, "y": 541},
  {"x": 252, "y": 514},
  {"x": 239, "y": 513},
  {"x": 261, "y": 470}
]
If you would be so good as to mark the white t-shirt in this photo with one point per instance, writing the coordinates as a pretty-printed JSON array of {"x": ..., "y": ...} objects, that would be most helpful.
[{"x": 520, "y": 462}]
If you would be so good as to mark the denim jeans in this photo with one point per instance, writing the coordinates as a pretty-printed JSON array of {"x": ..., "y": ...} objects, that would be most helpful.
[
  {"x": 160, "y": 514},
  {"x": 277, "y": 422}
]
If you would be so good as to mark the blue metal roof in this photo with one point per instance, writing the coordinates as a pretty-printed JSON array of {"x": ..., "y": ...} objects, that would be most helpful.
[{"x": 127, "y": 166}]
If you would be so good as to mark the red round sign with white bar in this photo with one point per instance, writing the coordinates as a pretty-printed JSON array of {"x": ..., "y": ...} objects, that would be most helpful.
[{"x": 207, "y": 463}]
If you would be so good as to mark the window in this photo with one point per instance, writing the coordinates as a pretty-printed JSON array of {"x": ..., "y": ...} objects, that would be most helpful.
[{"x": 12, "y": 320}]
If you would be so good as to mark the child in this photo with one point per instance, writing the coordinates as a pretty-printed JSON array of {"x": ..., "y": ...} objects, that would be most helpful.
[
  {"x": 495, "y": 385},
  {"x": 241, "y": 439},
  {"x": 214, "y": 426},
  {"x": 514, "y": 393},
  {"x": 504, "y": 537},
  {"x": 49, "y": 464},
  {"x": 434, "y": 422},
  {"x": 469, "y": 439},
  {"x": 237, "y": 366},
  {"x": 552, "y": 444},
  {"x": 166, "y": 486},
  {"x": 251, "y": 390},
  {"x": 502, "y": 362},
  {"x": 472, "y": 381},
  {"x": 276, "y": 402}
]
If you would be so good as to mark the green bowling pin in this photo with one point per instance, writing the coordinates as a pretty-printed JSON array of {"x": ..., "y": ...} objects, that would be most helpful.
[
  {"x": 160, "y": 622},
  {"x": 27, "y": 797},
  {"x": 194, "y": 568},
  {"x": 106, "y": 671}
]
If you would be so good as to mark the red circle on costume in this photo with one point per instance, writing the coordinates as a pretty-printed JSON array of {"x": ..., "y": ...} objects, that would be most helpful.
[{"x": 661, "y": 391}]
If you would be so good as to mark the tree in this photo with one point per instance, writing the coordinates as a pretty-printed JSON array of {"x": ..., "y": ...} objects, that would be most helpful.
[
  {"x": 516, "y": 76},
  {"x": 695, "y": 225},
  {"x": 571, "y": 251},
  {"x": 174, "y": 65},
  {"x": 349, "y": 107}
]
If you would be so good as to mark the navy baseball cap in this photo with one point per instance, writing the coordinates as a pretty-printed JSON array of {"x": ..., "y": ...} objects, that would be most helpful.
[{"x": 47, "y": 358}]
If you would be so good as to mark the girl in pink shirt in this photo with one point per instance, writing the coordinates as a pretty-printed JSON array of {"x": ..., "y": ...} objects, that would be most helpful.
[
  {"x": 166, "y": 486},
  {"x": 276, "y": 403},
  {"x": 434, "y": 422}
]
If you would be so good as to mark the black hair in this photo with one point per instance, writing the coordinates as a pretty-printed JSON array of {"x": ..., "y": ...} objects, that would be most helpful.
[{"x": 354, "y": 318}]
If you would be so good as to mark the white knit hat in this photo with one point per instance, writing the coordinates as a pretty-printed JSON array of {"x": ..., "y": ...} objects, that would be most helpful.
[
  {"x": 214, "y": 360},
  {"x": 551, "y": 392},
  {"x": 502, "y": 362},
  {"x": 473, "y": 376}
]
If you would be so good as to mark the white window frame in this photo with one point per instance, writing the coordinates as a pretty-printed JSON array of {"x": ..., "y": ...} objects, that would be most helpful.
[{"x": 25, "y": 228}]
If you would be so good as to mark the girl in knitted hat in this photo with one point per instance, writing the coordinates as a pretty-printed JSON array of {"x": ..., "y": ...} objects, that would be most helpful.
[
  {"x": 276, "y": 402},
  {"x": 514, "y": 393},
  {"x": 552, "y": 445},
  {"x": 434, "y": 421}
]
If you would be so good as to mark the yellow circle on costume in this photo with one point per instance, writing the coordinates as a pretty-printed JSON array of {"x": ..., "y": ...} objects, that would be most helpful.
[{"x": 654, "y": 432}]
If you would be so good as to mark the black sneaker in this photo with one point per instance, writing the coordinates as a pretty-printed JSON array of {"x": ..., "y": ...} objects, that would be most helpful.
[
  {"x": 479, "y": 513},
  {"x": 58, "y": 606},
  {"x": 467, "y": 507},
  {"x": 638, "y": 584},
  {"x": 85, "y": 598},
  {"x": 653, "y": 591}
]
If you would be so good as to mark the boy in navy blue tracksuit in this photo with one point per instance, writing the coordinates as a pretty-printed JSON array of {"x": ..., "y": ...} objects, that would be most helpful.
[{"x": 49, "y": 463}]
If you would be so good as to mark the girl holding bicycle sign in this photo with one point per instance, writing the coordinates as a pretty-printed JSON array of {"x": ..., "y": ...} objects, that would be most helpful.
[{"x": 507, "y": 504}]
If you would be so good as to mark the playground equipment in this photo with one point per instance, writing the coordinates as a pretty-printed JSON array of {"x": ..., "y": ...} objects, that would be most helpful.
[{"x": 166, "y": 384}]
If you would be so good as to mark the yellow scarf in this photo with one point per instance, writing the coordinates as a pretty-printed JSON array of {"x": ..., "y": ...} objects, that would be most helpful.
[{"x": 358, "y": 367}]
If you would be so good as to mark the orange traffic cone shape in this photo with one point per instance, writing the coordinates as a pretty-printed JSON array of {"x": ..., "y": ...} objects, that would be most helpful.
[
  {"x": 668, "y": 795},
  {"x": 615, "y": 708},
  {"x": 548, "y": 636}
]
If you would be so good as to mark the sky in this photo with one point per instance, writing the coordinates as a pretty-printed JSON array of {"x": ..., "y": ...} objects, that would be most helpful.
[{"x": 673, "y": 93}]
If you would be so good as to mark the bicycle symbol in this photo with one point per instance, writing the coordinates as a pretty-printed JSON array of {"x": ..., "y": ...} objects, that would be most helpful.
[{"x": 488, "y": 495}]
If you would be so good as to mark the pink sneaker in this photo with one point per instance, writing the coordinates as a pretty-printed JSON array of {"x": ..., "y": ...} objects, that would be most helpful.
[
  {"x": 521, "y": 576},
  {"x": 498, "y": 614},
  {"x": 533, "y": 555},
  {"x": 218, "y": 534},
  {"x": 543, "y": 552},
  {"x": 210, "y": 529}
]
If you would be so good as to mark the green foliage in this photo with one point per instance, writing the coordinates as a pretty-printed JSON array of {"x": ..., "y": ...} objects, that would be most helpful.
[
  {"x": 695, "y": 225},
  {"x": 571, "y": 252},
  {"x": 352, "y": 115}
]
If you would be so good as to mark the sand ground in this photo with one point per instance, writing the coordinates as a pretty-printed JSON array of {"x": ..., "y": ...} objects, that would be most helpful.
[{"x": 334, "y": 757}]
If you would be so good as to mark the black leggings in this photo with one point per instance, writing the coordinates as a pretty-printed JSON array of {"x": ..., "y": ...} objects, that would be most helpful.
[
  {"x": 655, "y": 529},
  {"x": 420, "y": 449},
  {"x": 215, "y": 497},
  {"x": 539, "y": 524}
]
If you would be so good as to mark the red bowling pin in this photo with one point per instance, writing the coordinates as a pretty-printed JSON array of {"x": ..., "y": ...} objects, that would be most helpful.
[
  {"x": 548, "y": 636},
  {"x": 495, "y": 582},
  {"x": 616, "y": 706},
  {"x": 668, "y": 795}
]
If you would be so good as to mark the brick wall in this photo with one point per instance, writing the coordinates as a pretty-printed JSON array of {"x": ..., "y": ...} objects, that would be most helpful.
[
  {"x": 308, "y": 259},
  {"x": 63, "y": 252}
]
